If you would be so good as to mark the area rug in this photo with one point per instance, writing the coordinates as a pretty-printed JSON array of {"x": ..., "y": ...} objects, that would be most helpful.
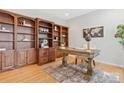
[{"x": 74, "y": 74}]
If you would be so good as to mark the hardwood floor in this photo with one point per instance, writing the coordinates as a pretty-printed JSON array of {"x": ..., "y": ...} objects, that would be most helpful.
[{"x": 34, "y": 73}]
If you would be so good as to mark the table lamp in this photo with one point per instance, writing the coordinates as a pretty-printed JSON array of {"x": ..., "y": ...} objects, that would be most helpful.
[{"x": 88, "y": 39}]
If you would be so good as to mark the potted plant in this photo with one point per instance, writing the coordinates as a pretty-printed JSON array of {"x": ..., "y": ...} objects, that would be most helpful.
[{"x": 120, "y": 34}]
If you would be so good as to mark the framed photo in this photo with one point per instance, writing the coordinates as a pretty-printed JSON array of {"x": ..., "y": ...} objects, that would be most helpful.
[
  {"x": 85, "y": 32},
  {"x": 97, "y": 31}
]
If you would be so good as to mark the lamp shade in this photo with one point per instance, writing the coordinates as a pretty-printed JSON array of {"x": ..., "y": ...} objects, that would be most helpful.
[{"x": 88, "y": 37}]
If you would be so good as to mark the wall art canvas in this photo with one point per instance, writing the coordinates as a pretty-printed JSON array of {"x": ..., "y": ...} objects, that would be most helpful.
[
  {"x": 95, "y": 32},
  {"x": 86, "y": 31}
]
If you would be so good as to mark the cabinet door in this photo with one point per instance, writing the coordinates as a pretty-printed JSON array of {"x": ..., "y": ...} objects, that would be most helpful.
[
  {"x": 43, "y": 56},
  {"x": 21, "y": 58},
  {"x": 8, "y": 59},
  {"x": 31, "y": 56},
  {"x": 51, "y": 54},
  {"x": 0, "y": 61}
]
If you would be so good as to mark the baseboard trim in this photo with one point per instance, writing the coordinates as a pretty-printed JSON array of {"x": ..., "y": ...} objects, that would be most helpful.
[{"x": 111, "y": 64}]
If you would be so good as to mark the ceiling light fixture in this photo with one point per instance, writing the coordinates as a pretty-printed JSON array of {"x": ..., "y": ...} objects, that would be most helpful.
[{"x": 66, "y": 14}]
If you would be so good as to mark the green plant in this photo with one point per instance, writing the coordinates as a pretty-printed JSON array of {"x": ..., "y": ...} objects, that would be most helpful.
[{"x": 120, "y": 33}]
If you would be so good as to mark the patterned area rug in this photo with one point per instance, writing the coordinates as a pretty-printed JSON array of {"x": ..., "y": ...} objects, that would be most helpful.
[{"x": 74, "y": 74}]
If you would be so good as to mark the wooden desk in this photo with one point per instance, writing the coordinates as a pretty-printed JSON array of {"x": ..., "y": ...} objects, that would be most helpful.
[{"x": 89, "y": 54}]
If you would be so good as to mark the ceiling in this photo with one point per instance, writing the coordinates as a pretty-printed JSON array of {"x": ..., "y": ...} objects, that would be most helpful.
[{"x": 64, "y": 14}]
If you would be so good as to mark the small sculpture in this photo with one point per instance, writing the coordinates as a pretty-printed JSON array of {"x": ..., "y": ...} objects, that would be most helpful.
[{"x": 44, "y": 43}]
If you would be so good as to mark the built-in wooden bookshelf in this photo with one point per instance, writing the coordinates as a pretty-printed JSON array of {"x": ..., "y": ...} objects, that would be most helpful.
[
  {"x": 6, "y": 31},
  {"x": 17, "y": 40},
  {"x": 64, "y": 36},
  {"x": 22, "y": 37},
  {"x": 45, "y": 41},
  {"x": 56, "y": 35},
  {"x": 25, "y": 41},
  {"x": 25, "y": 33},
  {"x": 60, "y": 35},
  {"x": 45, "y": 33}
]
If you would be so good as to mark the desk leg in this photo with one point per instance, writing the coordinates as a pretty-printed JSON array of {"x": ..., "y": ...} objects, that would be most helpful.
[
  {"x": 89, "y": 70},
  {"x": 64, "y": 60},
  {"x": 76, "y": 61}
]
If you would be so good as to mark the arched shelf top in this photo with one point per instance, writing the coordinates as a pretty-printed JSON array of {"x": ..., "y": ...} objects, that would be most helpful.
[
  {"x": 6, "y": 17},
  {"x": 7, "y": 13},
  {"x": 26, "y": 17}
]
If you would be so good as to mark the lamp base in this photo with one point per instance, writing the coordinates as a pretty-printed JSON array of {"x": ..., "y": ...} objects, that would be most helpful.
[{"x": 88, "y": 45}]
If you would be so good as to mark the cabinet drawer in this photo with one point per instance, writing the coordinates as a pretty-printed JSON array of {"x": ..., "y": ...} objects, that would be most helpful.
[
  {"x": 43, "y": 60},
  {"x": 43, "y": 52},
  {"x": 8, "y": 60},
  {"x": 51, "y": 53}
]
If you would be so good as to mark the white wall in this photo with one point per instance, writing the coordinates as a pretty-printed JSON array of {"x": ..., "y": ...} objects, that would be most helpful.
[
  {"x": 37, "y": 13},
  {"x": 111, "y": 51}
]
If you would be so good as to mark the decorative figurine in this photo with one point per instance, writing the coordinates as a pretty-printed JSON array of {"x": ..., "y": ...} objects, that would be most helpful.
[{"x": 44, "y": 43}]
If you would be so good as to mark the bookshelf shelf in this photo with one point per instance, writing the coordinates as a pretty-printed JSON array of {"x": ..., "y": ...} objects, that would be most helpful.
[
  {"x": 27, "y": 41},
  {"x": 44, "y": 26},
  {"x": 7, "y": 23},
  {"x": 26, "y": 33},
  {"x": 6, "y": 31},
  {"x": 45, "y": 33},
  {"x": 6, "y": 41},
  {"x": 26, "y": 26},
  {"x": 25, "y": 30}
]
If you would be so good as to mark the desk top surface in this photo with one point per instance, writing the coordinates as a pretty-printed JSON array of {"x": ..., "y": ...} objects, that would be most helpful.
[{"x": 79, "y": 50}]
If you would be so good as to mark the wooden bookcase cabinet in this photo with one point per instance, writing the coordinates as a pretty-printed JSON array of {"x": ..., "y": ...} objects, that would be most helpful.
[
  {"x": 20, "y": 40},
  {"x": 17, "y": 40},
  {"x": 61, "y": 38},
  {"x": 46, "y": 52},
  {"x": 26, "y": 41}
]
